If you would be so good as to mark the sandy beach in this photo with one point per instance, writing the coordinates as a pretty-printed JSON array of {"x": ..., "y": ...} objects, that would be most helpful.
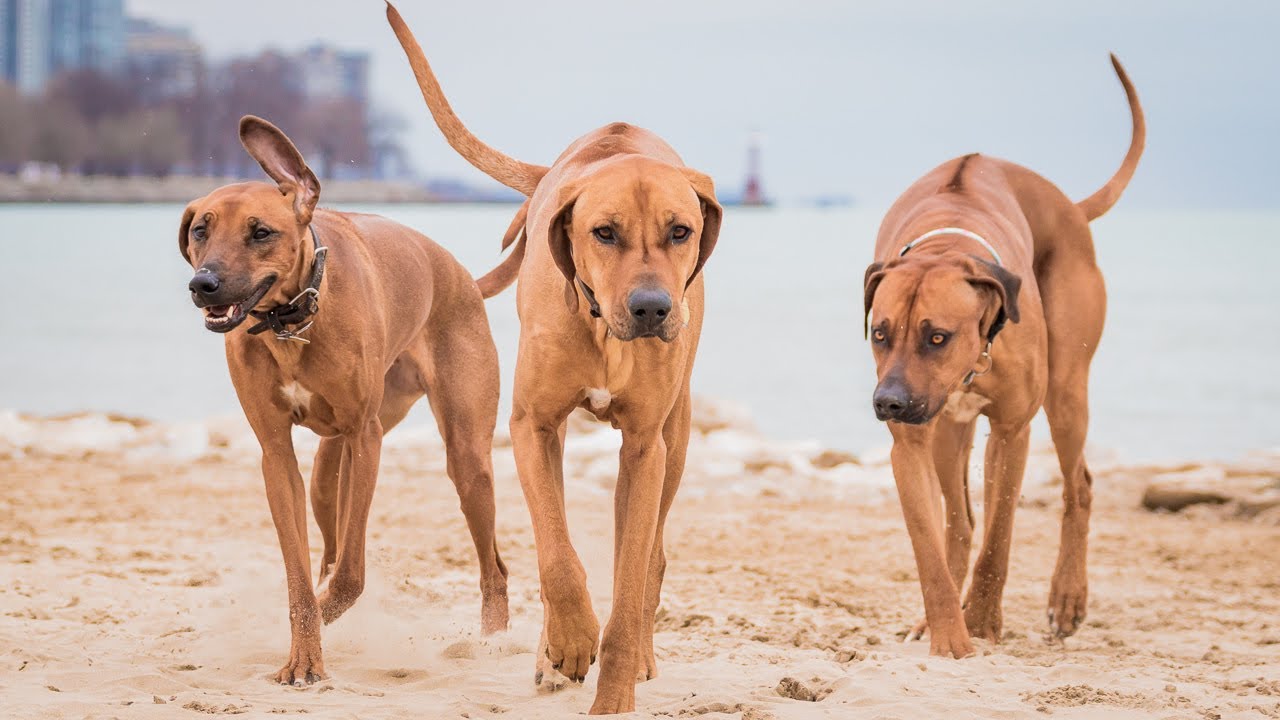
[{"x": 140, "y": 577}]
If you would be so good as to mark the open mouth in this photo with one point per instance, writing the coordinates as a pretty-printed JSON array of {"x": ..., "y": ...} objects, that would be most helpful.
[{"x": 225, "y": 318}]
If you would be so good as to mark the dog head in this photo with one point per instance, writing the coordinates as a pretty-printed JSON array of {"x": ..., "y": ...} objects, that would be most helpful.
[
  {"x": 243, "y": 239},
  {"x": 636, "y": 233},
  {"x": 928, "y": 321}
]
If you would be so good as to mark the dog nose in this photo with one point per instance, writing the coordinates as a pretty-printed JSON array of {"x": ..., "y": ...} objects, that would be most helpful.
[
  {"x": 891, "y": 401},
  {"x": 204, "y": 283},
  {"x": 649, "y": 306}
]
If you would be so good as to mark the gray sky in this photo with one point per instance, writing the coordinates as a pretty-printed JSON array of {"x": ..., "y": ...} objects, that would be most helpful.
[{"x": 853, "y": 98}]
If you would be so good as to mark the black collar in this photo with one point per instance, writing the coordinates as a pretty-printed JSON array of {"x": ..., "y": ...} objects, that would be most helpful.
[
  {"x": 297, "y": 310},
  {"x": 591, "y": 298}
]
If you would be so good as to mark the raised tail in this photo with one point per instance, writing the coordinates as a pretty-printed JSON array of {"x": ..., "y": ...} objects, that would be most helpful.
[
  {"x": 1101, "y": 201},
  {"x": 516, "y": 175},
  {"x": 501, "y": 277}
]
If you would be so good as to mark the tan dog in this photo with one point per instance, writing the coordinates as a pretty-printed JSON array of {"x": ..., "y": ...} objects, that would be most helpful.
[
  {"x": 610, "y": 301},
  {"x": 393, "y": 316},
  {"x": 974, "y": 242}
]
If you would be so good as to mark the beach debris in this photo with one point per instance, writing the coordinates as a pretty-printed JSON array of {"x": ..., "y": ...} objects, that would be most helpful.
[{"x": 790, "y": 687}]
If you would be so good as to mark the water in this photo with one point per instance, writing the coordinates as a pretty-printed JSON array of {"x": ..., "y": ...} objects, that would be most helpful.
[{"x": 96, "y": 317}]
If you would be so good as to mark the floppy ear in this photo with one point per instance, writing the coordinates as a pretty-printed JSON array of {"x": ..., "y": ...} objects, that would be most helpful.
[
  {"x": 712, "y": 215},
  {"x": 184, "y": 230},
  {"x": 1004, "y": 285},
  {"x": 870, "y": 281},
  {"x": 562, "y": 246},
  {"x": 282, "y": 161}
]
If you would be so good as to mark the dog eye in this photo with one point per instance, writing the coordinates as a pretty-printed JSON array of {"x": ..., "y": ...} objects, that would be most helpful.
[
  {"x": 937, "y": 339},
  {"x": 261, "y": 234},
  {"x": 604, "y": 234},
  {"x": 198, "y": 232},
  {"x": 679, "y": 234},
  {"x": 878, "y": 335}
]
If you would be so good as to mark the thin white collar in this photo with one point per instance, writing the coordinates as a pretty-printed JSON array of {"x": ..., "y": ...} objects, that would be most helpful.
[{"x": 953, "y": 231}]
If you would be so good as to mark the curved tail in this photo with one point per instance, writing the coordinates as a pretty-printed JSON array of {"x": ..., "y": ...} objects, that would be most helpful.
[
  {"x": 501, "y": 277},
  {"x": 1101, "y": 201},
  {"x": 516, "y": 175}
]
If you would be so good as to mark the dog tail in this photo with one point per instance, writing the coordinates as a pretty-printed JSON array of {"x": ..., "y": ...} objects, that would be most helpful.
[
  {"x": 501, "y": 277},
  {"x": 506, "y": 170},
  {"x": 1101, "y": 201}
]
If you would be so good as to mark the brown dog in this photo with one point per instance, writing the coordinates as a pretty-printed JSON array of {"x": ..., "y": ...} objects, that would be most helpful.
[
  {"x": 976, "y": 242},
  {"x": 392, "y": 316},
  {"x": 610, "y": 302}
]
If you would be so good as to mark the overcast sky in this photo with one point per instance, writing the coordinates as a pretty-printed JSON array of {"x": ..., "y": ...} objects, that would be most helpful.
[{"x": 855, "y": 98}]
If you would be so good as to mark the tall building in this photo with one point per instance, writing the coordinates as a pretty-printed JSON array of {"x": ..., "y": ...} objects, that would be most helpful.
[
  {"x": 87, "y": 34},
  {"x": 24, "y": 43},
  {"x": 39, "y": 38},
  {"x": 329, "y": 73},
  {"x": 166, "y": 62}
]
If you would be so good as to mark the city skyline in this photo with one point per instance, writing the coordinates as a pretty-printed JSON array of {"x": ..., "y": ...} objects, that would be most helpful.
[{"x": 850, "y": 101}]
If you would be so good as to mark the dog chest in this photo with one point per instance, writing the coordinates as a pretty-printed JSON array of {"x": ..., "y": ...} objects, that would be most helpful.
[
  {"x": 297, "y": 398},
  {"x": 964, "y": 406}
]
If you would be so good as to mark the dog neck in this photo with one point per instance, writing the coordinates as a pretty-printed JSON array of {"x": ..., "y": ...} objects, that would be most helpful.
[
  {"x": 952, "y": 231},
  {"x": 301, "y": 308}
]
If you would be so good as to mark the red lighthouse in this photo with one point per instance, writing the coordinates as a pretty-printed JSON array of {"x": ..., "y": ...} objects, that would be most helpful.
[{"x": 753, "y": 193}]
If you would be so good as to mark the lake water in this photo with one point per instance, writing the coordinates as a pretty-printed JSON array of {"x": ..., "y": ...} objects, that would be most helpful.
[{"x": 96, "y": 316}]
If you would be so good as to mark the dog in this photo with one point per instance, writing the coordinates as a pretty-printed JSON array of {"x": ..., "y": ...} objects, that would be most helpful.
[
  {"x": 356, "y": 318},
  {"x": 974, "y": 243},
  {"x": 609, "y": 250}
]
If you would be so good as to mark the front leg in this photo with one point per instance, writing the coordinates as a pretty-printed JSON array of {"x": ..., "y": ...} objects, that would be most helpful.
[
  {"x": 1005, "y": 462},
  {"x": 914, "y": 473},
  {"x": 360, "y": 458},
  {"x": 641, "y": 474},
  {"x": 571, "y": 632},
  {"x": 287, "y": 499}
]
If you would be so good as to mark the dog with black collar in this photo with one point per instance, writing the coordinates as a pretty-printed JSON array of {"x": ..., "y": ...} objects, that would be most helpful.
[{"x": 362, "y": 326}]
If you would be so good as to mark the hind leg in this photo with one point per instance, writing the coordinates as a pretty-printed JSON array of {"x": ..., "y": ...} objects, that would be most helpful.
[
  {"x": 462, "y": 387},
  {"x": 1075, "y": 306},
  {"x": 324, "y": 500}
]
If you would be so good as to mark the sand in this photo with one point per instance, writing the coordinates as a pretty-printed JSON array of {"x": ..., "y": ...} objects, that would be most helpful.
[{"x": 140, "y": 577}]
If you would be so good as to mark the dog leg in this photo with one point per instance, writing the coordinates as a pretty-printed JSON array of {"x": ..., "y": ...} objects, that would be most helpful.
[
  {"x": 287, "y": 500},
  {"x": 1006, "y": 461},
  {"x": 466, "y": 409},
  {"x": 914, "y": 474},
  {"x": 360, "y": 458},
  {"x": 676, "y": 435},
  {"x": 324, "y": 500},
  {"x": 952, "y": 443},
  {"x": 1075, "y": 305},
  {"x": 571, "y": 632},
  {"x": 637, "y": 498}
]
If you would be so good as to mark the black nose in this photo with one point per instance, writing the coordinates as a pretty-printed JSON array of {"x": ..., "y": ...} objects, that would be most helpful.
[
  {"x": 891, "y": 401},
  {"x": 649, "y": 306},
  {"x": 204, "y": 283}
]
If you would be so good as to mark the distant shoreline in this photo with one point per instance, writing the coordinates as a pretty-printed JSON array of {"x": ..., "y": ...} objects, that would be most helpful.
[{"x": 181, "y": 189}]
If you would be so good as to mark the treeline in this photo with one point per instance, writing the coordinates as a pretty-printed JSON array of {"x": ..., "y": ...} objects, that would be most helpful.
[{"x": 95, "y": 124}]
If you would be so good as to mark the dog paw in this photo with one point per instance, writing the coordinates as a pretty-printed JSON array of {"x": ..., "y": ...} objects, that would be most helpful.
[
  {"x": 571, "y": 640},
  {"x": 648, "y": 669},
  {"x": 494, "y": 615},
  {"x": 612, "y": 701},
  {"x": 917, "y": 631},
  {"x": 305, "y": 665},
  {"x": 984, "y": 623},
  {"x": 337, "y": 598},
  {"x": 1068, "y": 600},
  {"x": 547, "y": 679},
  {"x": 950, "y": 639}
]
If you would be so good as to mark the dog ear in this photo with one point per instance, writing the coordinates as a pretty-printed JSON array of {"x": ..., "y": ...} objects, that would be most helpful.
[
  {"x": 184, "y": 230},
  {"x": 870, "y": 281},
  {"x": 712, "y": 215},
  {"x": 281, "y": 160},
  {"x": 562, "y": 245},
  {"x": 1004, "y": 286}
]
